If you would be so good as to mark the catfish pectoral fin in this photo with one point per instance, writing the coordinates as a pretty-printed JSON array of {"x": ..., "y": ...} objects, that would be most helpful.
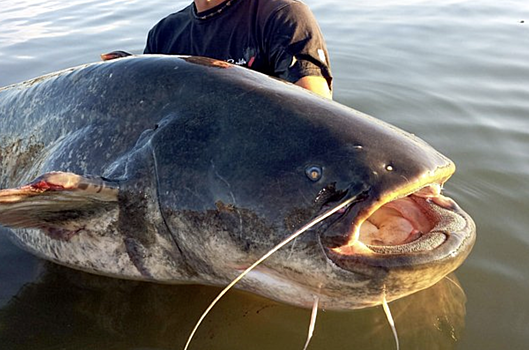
[{"x": 54, "y": 199}]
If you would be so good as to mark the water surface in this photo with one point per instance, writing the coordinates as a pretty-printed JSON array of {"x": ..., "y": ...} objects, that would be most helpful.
[{"x": 456, "y": 73}]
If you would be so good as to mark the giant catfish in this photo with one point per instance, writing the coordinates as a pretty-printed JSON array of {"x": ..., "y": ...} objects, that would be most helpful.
[{"x": 187, "y": 170}]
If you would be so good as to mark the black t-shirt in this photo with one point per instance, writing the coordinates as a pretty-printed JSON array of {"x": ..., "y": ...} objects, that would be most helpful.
[{"x": 280, "y": 38}]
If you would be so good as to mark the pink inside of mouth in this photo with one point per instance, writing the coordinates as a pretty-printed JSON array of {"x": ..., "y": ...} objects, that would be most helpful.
[{"x": 398, "y": 222}]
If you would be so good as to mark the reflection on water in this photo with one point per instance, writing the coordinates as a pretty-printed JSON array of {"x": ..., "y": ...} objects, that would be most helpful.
[{"x": 68, "y": 309}]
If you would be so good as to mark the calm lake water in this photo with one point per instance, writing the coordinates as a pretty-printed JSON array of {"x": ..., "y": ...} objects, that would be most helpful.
[{"x": 456, "y": 73}]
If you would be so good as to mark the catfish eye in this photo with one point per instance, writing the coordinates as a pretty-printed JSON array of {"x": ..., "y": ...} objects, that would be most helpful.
[{"x": 314, "y": 173}]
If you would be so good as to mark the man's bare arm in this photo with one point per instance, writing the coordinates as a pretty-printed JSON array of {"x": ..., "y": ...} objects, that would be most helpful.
[{"x": 316, "y": 84}]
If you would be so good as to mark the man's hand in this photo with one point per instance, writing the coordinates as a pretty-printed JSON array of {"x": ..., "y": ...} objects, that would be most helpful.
[{"x": 114, "y": 54}]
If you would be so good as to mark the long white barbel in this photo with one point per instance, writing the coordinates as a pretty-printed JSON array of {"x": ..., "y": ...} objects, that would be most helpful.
[
  {"x": 312, "y": 323},
  {"x": 391, "y": 322}
]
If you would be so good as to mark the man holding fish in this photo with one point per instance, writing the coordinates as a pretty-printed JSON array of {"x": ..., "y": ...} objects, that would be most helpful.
[{"x": 280, "y": 38}]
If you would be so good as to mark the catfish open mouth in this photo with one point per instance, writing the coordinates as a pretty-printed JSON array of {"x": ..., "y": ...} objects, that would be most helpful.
[{"x": 418, "y": 222}]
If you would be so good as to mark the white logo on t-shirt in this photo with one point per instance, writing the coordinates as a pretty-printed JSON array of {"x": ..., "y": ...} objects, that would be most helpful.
[
  {"x": 321, "y": 53},
  {"x": 239, "y": 62}
]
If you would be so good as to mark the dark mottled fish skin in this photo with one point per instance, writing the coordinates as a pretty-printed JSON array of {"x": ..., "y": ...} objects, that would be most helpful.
[{"x": 210, "y": 160}]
